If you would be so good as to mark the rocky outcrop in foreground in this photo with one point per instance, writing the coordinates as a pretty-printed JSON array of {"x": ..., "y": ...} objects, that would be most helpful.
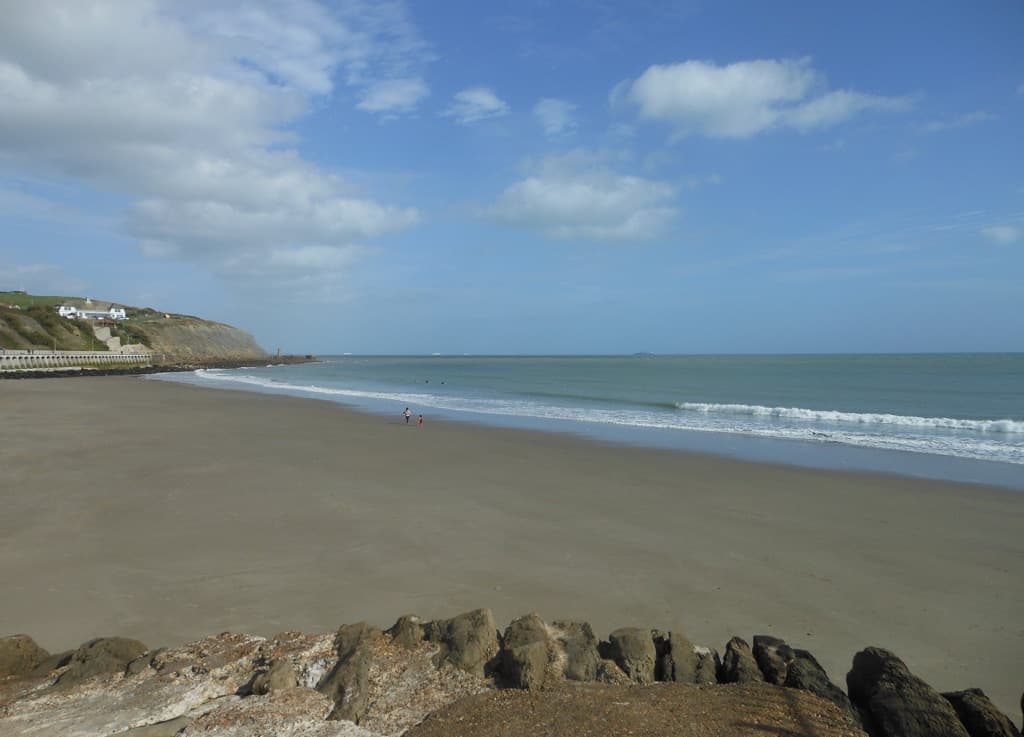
[{"x": 462, "y": 676}]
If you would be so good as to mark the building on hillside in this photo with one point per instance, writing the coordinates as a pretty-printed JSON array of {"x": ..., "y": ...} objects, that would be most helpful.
[{"x": 113, "y": 313}]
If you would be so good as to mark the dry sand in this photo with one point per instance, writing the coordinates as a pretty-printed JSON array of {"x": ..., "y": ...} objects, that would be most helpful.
[{"x": 168, "y": 512}]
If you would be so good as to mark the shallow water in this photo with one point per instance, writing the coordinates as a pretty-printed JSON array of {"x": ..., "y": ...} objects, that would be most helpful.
[{"x": 956, "y": 416}]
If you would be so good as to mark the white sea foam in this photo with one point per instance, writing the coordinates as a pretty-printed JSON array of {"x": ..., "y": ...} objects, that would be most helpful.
[
  {"x": 917, "y": 435},
  {"x": 861, "y": 418}
]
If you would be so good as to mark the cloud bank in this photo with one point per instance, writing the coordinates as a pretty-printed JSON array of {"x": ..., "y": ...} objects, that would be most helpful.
[
  {"x": 745, "y": 98},
  {"x": 579, "y": 196},
  {"x": 183, "y": 109}
]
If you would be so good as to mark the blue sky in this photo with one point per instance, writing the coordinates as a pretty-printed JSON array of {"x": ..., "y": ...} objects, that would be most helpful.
[{"x": 525, "y": 177}]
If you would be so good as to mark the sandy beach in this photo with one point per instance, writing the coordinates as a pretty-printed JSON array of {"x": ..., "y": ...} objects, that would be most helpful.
[{"x": 168, "y": 512}]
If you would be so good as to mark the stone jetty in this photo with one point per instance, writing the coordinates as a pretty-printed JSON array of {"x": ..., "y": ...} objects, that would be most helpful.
[{"x": 465, "y": 676}]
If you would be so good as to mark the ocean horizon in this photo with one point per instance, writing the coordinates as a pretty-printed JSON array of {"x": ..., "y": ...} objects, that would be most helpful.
[{"x": 953, "y": 416}]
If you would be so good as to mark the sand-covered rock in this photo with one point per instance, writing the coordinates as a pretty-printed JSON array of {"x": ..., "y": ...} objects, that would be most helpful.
[
  {"x": 346, "y": 684},
  {"x": 279, "y": 676},
  {"x": 407, "y": 631},
  {"x": 525, "y": 652},
  {"x": 102, "y": 655},
  {"x": 579, "y": 648},
  {"x": 468, "y": 642},
  {"x": 632, "y": 649},
  {"x": 20, "y": 655},
  {"x": 214, "y": 688}
]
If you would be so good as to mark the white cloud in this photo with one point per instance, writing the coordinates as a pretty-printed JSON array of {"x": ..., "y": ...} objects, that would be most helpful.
[
  {"x": 555, "y": 116},
  {"x": 579, "y": 196},
  {"x": 392, "y": 96},
  {"x": 961, "y": 121},
  {"x": 745, "y": 98},
  {"x": 1002, "y": 234},
  {"x": 476, "y": 103},
  {"x": 186, "y": 115}
]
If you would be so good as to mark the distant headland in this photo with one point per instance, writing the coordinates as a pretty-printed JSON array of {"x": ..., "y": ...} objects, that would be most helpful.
[{"x": 45, "y": 335}]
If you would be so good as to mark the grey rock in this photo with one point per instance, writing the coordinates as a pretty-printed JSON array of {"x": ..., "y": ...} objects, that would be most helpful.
[
  {"x": 20, "y": 655},
  {"x": 52, "y": 663},
  {"x": 143, "y": 662},
  {"x": 468, "y": 642},
  {"x": 681, "y": 660},
  {"x": 805, "y": 673},
  {"x": 738, "y": 664},
  {"x": 524, "y": 652},
  {"x": 773, "y": 657},
  {"x": 577, "y": 641},
  {"x": 407, "y": 631},
  {"x": 707, "y": 668},
  {"x": 346, "y": 683},
  {"x": 280, "y": 676},
  {"x": 632, "y": 649},
  {"x": 895, "y": 703},
  {"x": 102, "y": 655},
  {"x": 979, "y": 716},
  {"x": 170, "y": 728}
]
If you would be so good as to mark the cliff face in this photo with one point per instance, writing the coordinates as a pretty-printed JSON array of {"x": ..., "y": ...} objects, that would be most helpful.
[{"x": 183, "y": 338}]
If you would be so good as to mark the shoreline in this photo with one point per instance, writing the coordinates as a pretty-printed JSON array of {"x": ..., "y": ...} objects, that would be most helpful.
[
  {"x": 828, "y": 456},
  {"x": 227, "y": 509}
]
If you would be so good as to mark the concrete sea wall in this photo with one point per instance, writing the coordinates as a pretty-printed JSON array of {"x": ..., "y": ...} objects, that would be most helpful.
[{"x": 42, "y": 360}]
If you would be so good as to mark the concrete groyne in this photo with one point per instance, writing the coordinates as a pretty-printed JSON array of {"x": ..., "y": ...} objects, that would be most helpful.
[{"x": 49, "y": 360}]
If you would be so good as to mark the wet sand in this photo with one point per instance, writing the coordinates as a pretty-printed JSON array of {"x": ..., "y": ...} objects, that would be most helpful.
[{"x": 168, "y": 512}]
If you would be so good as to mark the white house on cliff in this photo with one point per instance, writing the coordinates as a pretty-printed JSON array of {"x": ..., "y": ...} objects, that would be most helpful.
[{"x": 70, "y": 311}]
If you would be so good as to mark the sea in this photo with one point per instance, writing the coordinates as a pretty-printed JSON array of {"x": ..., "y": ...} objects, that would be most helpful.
[{"x": 951, "y": 416}]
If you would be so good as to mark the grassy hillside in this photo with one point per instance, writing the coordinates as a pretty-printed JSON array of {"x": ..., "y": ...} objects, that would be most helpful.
[
  {"x": 29, "y": 321},
  {"x": 40, "y": 327}
]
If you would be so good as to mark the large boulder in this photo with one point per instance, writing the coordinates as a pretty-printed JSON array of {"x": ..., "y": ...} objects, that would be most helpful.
[
  {"x": 524, "y": 653},
  {"x": 805, "y": 672},
  {"x": 680, "y": 661},
  {"x": 20, "y": 655},
  {"x": 894, "y": 702},
  {"x": 773, "y": 657},
  {"x": 579, "y": 645},
  {"x": 346, "y": 683},
  {"x": 102, "y": 655},
  {"x": 979, "y": 716},
  {"x": 632, "y": 649},
  {"x": 468, "y": 642},
  {"x": 738, "y": 664}
]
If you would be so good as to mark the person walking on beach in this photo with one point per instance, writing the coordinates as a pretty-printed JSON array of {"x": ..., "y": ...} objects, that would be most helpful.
[
  {"x": 407, "y": 414},
  {"x": 419, "y": 421}
]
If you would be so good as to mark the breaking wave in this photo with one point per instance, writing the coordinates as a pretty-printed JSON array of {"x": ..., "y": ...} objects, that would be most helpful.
[{"x": 859, "y": 418}]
